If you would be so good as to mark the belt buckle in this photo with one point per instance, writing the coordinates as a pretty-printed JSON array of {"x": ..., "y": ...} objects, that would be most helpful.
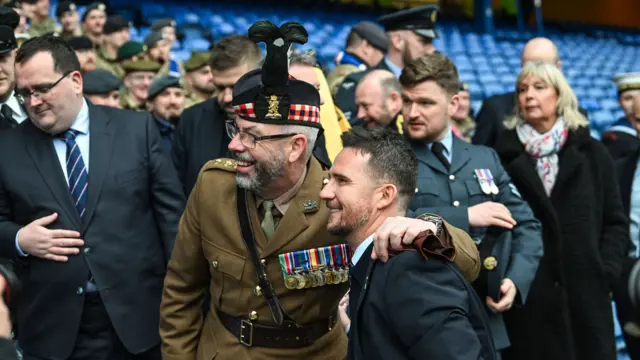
[{"x": 244, "y": 324}]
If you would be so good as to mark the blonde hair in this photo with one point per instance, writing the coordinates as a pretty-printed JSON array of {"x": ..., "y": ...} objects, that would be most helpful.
[{"x": 567, "y": 104}]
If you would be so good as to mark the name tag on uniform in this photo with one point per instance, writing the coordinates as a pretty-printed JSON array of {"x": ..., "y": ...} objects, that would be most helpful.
[
  {"x": 315, "y": 267},
  {"x": 486, "y": 181}
]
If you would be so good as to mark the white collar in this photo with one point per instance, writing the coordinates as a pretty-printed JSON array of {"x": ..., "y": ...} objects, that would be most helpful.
[{"x": 357, "y": 254}]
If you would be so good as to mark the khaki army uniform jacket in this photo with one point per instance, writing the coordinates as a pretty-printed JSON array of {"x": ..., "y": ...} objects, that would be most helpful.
[
  {"x": 127, "y": 102},
  {"x": 190, "y": 99},
  {"x": 45, "y": 27},
  {"x": 106, "y": 63},
  {"x": 210, "y": 255}
]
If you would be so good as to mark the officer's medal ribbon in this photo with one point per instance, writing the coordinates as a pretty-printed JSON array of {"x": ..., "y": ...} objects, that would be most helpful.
[
  {"x": 483, "y": 181},
  {"x": 492, "y": 182}
]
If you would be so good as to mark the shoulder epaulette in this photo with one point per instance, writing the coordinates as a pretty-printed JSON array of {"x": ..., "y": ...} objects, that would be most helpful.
[{"x": 221, "y": 164}]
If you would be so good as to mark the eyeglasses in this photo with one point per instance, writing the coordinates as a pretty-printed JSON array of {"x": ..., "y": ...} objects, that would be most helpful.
[
  {"x": 249, "y": 140},
  {"x": 39, "y": 92}
]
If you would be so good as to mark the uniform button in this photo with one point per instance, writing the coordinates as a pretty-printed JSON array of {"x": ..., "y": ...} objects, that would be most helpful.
[
  {"x": 215, "y": 264},
  {"x": 263, "y": 262},
  {"x": 253, "y": 316},
  {"x": 456, "y": 203},
  {"x": 87, "y": 250},
  {"x": 416, "y": 190},
  {"x": 80, "y": 290},
  {"x": 452, "y": 177},
  {"x": 258, "y": 291}
]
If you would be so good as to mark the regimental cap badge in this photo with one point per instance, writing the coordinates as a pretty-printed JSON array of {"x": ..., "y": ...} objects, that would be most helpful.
[
  {"x": 490, "y": 263},
  {"x": 274, "y": 105},
  {"x": 102, "y": 7},
  {"x": 72, "y": 7},
  {"x": 310, "y": 206},
  {"x": 434, "y": 16}
]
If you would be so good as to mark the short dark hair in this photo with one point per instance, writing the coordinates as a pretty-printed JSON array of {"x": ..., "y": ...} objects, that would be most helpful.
[
  {"x": 391, "y": 158},
  {"x": 64, "y": 57},
  {"x": 353, "y": 39},
  {"x": 233, "y": 51},
  {"x": 435, "y": 67}
]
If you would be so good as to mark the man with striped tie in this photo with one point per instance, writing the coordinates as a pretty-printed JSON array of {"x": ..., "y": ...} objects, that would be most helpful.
[{"x": 89, "y": 208}]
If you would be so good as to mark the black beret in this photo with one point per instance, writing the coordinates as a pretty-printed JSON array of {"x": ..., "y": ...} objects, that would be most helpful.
[
  {"x": 161, "y": 83},
  {"x": 94, "y": 6},
  {"x": 422, "y": 20},
  {"x": 269, "y": 95},
  {"x": 115, "y": 23},
  {"x": 163, "y": 23},
  {"x": 7, "y": 39},
  {"x": 64, "y": 7},
  {"x": 152, "y": 39},
  {"x": 9, "y": 17},
  {"x": 99, "y": 81},
  {"x": 80, "y": 43},
  {"x": 374, "y": 35}
]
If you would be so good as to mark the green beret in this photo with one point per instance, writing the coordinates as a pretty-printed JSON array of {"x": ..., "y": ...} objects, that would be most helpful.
[
  {"x": 99, "y": 81},
  {"x": 141, "y": 65},
  {"x": 129, "y": 50},
  {"x": 161, "y": 83},
  {"x": 197, "y": 61}
]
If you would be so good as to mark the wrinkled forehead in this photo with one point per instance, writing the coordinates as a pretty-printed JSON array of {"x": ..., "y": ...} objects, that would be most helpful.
[{"x": 256, "y": 128}]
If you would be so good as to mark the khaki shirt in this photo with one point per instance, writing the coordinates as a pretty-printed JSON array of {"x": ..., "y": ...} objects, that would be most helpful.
[
  {"x": 190, "y": 99},
  {"x": 210, "y": 256},
  {"x": 48, "y": 25},
  {"x": 109, "y": 64},
  {"x": 127, "y": 102}
]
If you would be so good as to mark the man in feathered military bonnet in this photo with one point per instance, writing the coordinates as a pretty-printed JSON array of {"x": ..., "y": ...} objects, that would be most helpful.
[{"x": 254, "y": 234}]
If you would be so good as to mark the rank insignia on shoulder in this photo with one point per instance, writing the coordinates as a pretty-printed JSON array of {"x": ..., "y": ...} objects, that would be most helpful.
[
  {"x": 315, "y": 267},
  {"x": 310, "y": 206},
  {"x": 222, "y": 164}
]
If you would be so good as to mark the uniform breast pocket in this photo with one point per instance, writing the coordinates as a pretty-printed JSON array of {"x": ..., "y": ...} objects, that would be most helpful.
[
  {"x": 476, "y": 195},
  {"x": 226, "y": 270},
  {"x": 426, "y": 195}
]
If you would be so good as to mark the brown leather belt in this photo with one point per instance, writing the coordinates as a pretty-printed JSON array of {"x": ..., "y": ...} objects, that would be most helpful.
[{"x": 287, "y": 336}]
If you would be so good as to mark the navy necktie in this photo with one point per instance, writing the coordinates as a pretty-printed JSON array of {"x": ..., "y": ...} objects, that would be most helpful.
[
  {"x": 438, "y": 150},
  {"x": 76, "y": 171}
]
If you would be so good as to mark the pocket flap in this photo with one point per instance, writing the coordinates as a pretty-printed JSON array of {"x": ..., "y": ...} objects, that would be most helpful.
[{"x": 224, "y": 261}]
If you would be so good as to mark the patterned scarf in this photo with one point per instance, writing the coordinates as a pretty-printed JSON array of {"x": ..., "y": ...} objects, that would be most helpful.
[{"x": 544, "y": 149}]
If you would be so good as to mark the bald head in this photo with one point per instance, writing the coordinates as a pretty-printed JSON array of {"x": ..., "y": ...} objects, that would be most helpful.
[
  {"x": 378, "y": 97},
  {"x": 541, "y": 49}
]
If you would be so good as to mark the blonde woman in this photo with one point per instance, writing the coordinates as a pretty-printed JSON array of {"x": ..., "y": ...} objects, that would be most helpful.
[{"x": 569, "y": 180}]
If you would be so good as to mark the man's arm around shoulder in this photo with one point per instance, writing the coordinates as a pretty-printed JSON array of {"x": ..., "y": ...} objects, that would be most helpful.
[{"x": 428, "y": 308}]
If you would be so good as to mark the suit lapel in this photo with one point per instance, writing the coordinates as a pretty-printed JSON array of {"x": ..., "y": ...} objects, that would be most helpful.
[
  {"x": 101, "y": 136},
  {"x": 425, "y": 156},
  {"x": 295, "y": 221},
  {"x": 362, "y": 273},
  {"x": 460, "y": 154}
]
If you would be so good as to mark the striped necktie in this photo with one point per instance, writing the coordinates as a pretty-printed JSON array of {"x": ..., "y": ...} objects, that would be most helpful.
[{"x": 76, "y": 171}]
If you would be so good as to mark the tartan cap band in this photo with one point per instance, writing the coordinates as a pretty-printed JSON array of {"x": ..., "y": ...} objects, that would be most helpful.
[{"x": 299, "y": 114}]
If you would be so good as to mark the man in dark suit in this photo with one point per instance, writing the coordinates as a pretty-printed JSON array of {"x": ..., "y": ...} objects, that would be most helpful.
[
  {"x": 417, "y": 305},
  {"x": 496, "y": 109},
  {"x": 89, "y": 209},
  {"x": 411, "y": 33},
  {"x": 469, "y": 188},
  {"x": 11, "y": 112}
]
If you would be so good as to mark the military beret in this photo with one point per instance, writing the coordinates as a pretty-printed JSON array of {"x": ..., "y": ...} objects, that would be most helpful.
[
  {"x": 129, "y": 50},
  {"x": 152, "y": 39},
  {"x": 163, "y": 23},
  {"x": 94, "y": 6},
  {"x": 7, "y": 39},
  {"x": 9, "y": 17},
  {"x": 115, "y": 23},
  {"x": 141, "y": 65},
  {"x": 65, "y": 6},
  {"x": 627, "y": 81},
  {"x": 80, "y": 43},
  {"x": 161, "y": 83},
  {"x": 421, "y": 19},
  {"x": 197, "y": 61},
  {"x": 100, "y": 81},
  {"x": 30, "y": 2},
  {"x": 373, "y": 34},
  {"x": 269, "y": 95}
]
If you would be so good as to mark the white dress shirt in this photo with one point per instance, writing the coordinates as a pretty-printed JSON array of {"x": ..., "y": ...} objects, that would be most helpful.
[{"x": 19, "y": 114}]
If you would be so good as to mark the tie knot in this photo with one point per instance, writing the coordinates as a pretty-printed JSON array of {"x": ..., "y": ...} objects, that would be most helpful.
[
  {"x": 69, "y": 135},
  {"x": 6, "y": 111},
  {"x": 437, "y": 147},
  {"x": 268, "y": 205}
]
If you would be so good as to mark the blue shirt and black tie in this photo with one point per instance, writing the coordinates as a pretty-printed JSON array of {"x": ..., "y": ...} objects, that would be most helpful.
[{"x": 72, "y": 149}]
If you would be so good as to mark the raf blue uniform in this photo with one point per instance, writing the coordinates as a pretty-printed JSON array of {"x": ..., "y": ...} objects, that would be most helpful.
[{"x": 450, "y": 192}]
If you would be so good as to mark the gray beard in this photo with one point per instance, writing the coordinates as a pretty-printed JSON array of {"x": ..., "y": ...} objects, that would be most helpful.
[{"x": 263, "y": 175}]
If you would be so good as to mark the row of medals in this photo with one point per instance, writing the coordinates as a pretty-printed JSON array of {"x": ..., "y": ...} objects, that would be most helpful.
[{"x": 316, "y": 278}]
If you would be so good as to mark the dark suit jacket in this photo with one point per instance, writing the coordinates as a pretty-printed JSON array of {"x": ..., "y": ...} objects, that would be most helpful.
[
  {"x": 621, "y": 140},
  {"x": 450, "y": 193},
  {"x": 412, "y": 308},
  {"x": 491, "y": 117},
  {"x": 7, "y": 350},
  {"x": 133, "y": 207}
]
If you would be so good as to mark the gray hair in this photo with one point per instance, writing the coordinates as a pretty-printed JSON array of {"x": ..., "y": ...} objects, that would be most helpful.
[
  {"x": 309, "y": 132},
  {"x": 307, "y": 57},
  {"x": 567, "y": 104}
]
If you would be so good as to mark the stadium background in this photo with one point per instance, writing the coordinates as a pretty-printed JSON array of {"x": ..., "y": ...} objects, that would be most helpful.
[{"x": 596, "y": 38}]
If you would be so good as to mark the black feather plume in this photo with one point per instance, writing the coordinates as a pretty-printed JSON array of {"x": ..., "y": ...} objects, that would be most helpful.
[{"x": 275, "y": 71}]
